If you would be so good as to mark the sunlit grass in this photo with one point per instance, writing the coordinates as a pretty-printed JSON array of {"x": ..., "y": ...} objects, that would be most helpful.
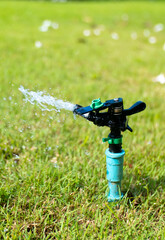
[{"x": 53, "y": 169}]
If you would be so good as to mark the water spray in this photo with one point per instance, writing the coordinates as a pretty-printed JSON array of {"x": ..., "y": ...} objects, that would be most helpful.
[
  {"x": 45, "y": 101},
  {"x": 113, "y": 115}
]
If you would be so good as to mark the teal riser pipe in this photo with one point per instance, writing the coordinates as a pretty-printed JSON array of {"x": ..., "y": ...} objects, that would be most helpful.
[{"x": 114, "y": 174}]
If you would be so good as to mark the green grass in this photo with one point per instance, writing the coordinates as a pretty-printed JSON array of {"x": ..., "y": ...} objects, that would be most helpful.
[{"x": 40, "y": 201}]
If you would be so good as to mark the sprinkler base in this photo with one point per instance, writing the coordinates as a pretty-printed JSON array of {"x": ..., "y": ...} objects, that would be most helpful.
[
  {"x": 115, "y": 199},
  {"x": 114, "y": 174},
  {"x": 115, "y": 193}
]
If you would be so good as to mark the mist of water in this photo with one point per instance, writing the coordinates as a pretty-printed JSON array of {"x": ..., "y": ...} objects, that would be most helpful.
[{"x": 46, "y": 102}]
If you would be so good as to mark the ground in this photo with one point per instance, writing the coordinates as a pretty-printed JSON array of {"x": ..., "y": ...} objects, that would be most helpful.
[{"x": 53, "y": 169}]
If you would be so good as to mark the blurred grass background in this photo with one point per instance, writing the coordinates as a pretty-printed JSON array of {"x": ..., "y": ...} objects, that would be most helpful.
[{"x": 53, "y": 169}]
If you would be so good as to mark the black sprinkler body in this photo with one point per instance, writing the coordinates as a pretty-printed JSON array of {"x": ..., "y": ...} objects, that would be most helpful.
[{"x": 113, "y": 115}]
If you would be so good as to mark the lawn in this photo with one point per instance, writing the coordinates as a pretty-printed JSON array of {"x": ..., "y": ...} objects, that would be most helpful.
[{"x": 53, "y": 170}]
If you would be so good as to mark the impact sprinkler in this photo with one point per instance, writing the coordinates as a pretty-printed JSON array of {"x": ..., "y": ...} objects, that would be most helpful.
[{"x": 113, "y": 115}]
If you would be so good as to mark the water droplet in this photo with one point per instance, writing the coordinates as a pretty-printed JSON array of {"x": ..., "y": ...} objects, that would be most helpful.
[
  {"x": 16, "y": 156},
  {"x": 87, "y": 153},
  {"x": 55, "y": 165}
]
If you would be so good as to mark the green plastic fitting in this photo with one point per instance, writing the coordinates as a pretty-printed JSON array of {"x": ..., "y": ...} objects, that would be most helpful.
[{"x": 96, "y": 103}]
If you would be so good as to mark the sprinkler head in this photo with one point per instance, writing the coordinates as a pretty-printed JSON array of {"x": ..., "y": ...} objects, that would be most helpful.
[{"x": 111, "y": 114}]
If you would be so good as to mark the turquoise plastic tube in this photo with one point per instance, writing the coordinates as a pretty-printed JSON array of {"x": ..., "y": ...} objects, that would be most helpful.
[{"x": 114, "y": 174}]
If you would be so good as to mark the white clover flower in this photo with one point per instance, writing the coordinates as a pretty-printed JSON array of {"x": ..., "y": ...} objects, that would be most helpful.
[
  {"x": 38, "y": 44},
  {"x": 164, "y": 47},
  {"x": 134, "y": 35},
  {"x": 146, "y": 32},
  {"x": 101, "y": 27},
  {"x": 87, "y": 33},
  {"x": 160, "y": 78},
  {"x": 46, "y": 23},
  {"x": 124, "y": 17},
  {"x": 43, "y": 28},
  {"x": 96, "y": 32},
  {"x": 152, "y": 40},
  {"x": 54, "y": 25},
  {"x": 115, "y": 36},
  {"x": 158, "y": 27}
]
